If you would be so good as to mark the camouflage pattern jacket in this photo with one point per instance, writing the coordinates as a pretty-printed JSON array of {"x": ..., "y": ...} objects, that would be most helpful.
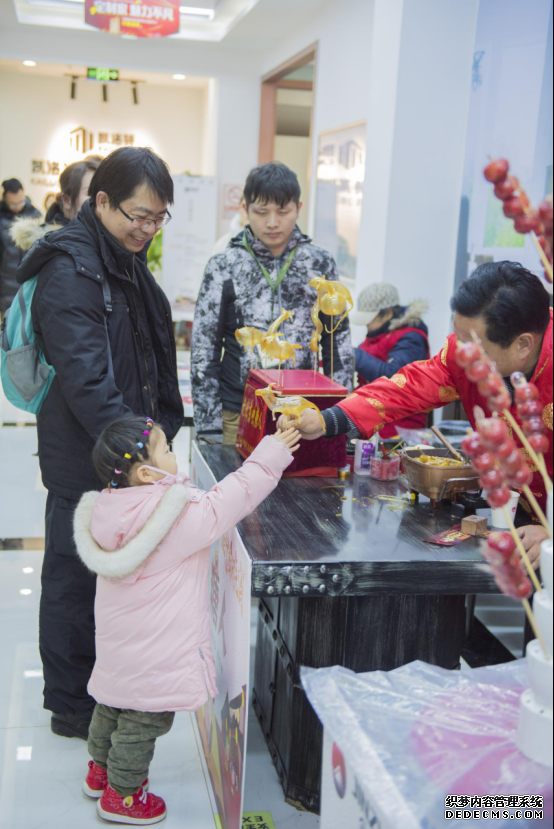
[{"x": 235, "y": 293}]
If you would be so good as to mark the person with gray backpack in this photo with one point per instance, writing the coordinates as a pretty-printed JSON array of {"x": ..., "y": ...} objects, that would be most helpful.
[{"x": 92, "y": 324}]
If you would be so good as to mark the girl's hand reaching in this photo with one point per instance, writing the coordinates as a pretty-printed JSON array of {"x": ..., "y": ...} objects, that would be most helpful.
[{"x": 290, "y": 437}]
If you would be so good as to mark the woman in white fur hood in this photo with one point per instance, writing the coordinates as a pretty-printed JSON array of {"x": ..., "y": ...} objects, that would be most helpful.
[{"x": 74, "y": 184}]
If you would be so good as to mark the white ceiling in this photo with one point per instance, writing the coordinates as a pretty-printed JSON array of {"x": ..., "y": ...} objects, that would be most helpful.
[
  {"x": 69, "y": 14},
  {"x": 246, "y": 24},
  {"x": 242, "y": 51}
]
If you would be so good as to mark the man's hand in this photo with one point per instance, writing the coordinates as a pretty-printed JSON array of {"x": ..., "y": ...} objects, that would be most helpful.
[
  {"x": 532, "y": 537},
  {"x": 309, "y": 425}
]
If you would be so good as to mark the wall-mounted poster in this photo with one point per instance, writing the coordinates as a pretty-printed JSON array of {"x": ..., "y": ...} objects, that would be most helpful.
[{"x": 339, "y": 191}]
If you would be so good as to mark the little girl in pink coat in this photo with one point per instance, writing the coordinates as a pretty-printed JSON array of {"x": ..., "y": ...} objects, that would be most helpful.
[{"x": 147, "y": 537}]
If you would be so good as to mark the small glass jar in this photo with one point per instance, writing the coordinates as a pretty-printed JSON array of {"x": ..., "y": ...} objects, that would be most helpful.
[{"x": 385, "y": 469}]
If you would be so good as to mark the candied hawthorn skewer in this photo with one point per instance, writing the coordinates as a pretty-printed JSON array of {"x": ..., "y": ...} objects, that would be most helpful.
[
  {"x": 496, "y": 471},
  {"x": 517, "y": 206},
  {"x": 473, "y": 359},
  {"x": 500, "y": 552}
]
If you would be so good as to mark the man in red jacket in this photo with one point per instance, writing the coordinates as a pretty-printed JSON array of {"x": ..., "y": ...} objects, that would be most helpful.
[{"x": 509, "y": 309}]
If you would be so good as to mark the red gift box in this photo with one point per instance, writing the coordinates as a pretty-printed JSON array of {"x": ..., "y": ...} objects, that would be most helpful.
[{"x": 322, "y": 457}]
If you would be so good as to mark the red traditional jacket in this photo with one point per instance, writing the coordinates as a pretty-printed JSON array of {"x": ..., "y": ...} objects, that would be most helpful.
[
  {"x": 380, "y": 347},
  {"x": 430, "y": 384}
]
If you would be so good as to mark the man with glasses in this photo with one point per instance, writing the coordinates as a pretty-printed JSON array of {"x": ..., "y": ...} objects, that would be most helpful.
[
  {"x": 13, "y": 205},
  {"x": 105, "y": 326}
]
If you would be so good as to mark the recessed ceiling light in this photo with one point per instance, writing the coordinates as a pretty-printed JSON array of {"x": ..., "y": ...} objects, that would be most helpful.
[
  {"x": 26, "y": 591},
  {"x": 194, "y": 11},
  {"x": 179, "y": 77},
  {"x": 29, "y": 63},
  {"x": 28, "y": 570}
]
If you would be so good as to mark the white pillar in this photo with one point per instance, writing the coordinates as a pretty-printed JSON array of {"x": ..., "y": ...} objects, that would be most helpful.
[
  {"x": 421, "y": 60},
  {"x": 238, "y": 130}
]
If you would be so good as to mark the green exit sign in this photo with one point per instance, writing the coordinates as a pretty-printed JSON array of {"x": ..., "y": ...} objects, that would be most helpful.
[{"x": 99, "y": 73}]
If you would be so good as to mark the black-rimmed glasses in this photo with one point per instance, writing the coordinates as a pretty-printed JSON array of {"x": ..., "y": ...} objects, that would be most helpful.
[{"x": 144, "y": 224}]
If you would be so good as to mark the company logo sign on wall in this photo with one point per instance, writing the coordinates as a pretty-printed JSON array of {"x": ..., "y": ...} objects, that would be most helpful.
[
  {"x": 339, "y": 771},
  {"x": 142, "y": 18},
  {"x": 81, "y": 142}
]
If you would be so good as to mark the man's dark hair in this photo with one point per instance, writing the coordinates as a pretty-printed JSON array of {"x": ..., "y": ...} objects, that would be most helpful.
[
  {"x": 119, "y": 439},
  {"x": 511, "y": 299},
  {"x": 125, "y": 169},
  {"x": 272, "y": 182},
  {"x": 12, "y": 185}
]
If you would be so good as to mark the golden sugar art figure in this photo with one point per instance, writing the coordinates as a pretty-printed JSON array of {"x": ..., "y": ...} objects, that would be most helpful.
[{"x": 289, "y": 406}]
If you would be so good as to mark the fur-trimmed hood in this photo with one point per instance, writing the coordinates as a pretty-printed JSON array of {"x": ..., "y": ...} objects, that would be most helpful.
[
  {"x": 411, "y": 318},
  {"x": 25, "y": 232},
  {"x": 145, "y": 516}
]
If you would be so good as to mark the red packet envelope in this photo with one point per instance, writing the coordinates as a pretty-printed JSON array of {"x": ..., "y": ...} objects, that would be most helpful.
[{"x": 449, "y": 537}]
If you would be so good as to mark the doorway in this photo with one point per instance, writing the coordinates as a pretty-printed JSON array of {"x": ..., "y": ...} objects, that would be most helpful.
[{"x": 286, "y": 120}]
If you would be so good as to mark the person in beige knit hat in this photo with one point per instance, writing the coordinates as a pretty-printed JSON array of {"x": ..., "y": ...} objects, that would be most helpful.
[{"x": 396, "y": 336}]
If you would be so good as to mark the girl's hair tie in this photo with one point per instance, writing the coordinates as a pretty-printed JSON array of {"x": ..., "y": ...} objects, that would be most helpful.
[
  {"x": 140, "y": 445},
  {"x": 113, "y": 483},
  {"x": 127, "y": 455},
  {"x": 118, "y": 472},
  {"x": 146, "y": 433}
]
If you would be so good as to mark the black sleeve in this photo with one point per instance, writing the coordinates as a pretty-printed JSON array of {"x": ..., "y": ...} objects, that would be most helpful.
[
  {"x": 338, "y": 423},
  {"x": 70, "y": 313},
  {"x": 170, "y": 401}
]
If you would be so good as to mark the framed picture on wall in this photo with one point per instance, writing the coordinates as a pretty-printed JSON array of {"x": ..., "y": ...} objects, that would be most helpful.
[{"x": 341, "y": 155}]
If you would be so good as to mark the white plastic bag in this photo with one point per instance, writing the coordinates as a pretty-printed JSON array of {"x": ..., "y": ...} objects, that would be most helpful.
[{"x": 418, "y": 734}]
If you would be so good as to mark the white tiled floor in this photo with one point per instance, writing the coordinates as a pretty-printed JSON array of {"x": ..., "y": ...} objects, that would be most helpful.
[{"x": 41, "y": 774}]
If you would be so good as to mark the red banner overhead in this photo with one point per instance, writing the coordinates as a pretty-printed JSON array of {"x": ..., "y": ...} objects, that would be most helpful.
[{"x": 142, "y": 18}]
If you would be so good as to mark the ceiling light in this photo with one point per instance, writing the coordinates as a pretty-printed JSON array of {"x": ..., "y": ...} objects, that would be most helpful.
[
  {"x": 179, "y": 77},
  {"x": 29, "y": 63},
  {"x": 193, "y": 11},
  {"x": 24, "y": 752},
  {"x": 28, "y": 570},
  {"x": 25, "y": 591},
  {"x": 34, "y": 674}
]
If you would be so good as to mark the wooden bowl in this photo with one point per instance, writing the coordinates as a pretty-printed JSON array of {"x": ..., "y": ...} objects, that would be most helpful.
[{"x": 437, "y": 482}]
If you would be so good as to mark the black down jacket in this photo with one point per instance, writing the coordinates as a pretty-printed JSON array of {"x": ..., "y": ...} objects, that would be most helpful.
[
  {"x": 98, "y": 378},
  {"x": 10, "y": 254}
]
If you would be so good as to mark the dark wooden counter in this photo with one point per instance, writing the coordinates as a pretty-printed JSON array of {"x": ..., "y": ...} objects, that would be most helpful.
[
  {"x": 344, "y": 576},
  {"x": 304, "y": 539}
]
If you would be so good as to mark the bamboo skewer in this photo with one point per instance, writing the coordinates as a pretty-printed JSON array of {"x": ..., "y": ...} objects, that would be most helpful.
[
  {"x": 536, "y": 506},
  {"x": 539, "y": 461},
  {"x": 544, "y": 258},
  {"x": 522, "y": 551},
  {"x": 536, "y": 631},
  {"x": 447, "y": 443},
  {"x": 332, "y": 351}
]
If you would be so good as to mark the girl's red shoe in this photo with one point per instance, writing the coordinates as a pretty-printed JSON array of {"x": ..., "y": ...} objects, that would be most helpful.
[
  {"x": 140, "y": 809},
  {"x": 97, "y": 780}
]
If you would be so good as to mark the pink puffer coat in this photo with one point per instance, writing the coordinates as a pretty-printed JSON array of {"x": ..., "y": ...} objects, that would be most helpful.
[{"x": 149, "y": 546}]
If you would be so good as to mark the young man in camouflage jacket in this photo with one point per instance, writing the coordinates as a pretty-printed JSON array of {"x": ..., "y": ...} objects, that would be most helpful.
[{"x": 236, "y": 292}]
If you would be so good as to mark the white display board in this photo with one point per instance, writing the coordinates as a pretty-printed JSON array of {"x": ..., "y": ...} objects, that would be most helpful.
[
  {"x": 190, "y": 237},
  {"x": 222, "y": 724}
]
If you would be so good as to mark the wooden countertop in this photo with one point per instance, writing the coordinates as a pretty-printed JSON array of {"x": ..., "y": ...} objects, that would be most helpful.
[{"x": 321, "y": 536}]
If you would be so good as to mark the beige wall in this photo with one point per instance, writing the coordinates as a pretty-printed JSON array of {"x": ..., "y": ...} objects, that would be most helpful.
[
  {"x": 294, "y": 151},
  {"x": 38, "y": 115}
]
